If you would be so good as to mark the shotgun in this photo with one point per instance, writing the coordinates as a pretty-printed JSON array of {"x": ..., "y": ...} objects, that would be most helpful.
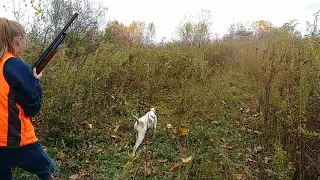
[{"x": 53, "y": 47}]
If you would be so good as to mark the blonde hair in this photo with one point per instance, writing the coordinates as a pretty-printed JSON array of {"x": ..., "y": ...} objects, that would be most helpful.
[{"x": 8, "y": 31}]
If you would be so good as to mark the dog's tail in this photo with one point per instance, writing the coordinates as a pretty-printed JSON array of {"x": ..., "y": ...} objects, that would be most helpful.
[{"x": 134, "y": 116}]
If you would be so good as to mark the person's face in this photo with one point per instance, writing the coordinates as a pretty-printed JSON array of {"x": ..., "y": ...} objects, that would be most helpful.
[{"x": 20, "y": 44}]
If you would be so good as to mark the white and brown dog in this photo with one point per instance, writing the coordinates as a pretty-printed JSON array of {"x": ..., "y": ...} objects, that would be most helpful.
[{"x": 149, "y": 120}]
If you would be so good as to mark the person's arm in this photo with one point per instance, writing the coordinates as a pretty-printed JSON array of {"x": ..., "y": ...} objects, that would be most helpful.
[{"x": 28, "y": 90}]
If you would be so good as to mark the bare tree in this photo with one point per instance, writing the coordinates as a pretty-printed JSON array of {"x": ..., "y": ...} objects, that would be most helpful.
[
  {"x": 312, "y": 28},
  {"x": 149, "y": 34},
  {"x": 195, "y": 32}
]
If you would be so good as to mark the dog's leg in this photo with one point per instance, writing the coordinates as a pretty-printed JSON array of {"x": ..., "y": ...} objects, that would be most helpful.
[
  {"x": 136, "y": 136},
  {"x": 155, "y": 126},
  {"x": 141, "y": 134}
]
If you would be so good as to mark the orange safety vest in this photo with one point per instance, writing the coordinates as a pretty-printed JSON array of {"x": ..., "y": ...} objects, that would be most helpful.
[{"x": 16, "y": 128}]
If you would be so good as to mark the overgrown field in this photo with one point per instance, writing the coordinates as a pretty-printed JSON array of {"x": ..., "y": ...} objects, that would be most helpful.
[{"x": 226, "y": 110}]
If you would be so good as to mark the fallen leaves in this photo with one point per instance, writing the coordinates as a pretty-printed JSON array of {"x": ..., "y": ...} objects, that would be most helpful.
[
  {"x": 185, "y": 160},
  {"x": 255, "y": 115},
  {"x": 170, "y": 126},
  {"x": 88, "y": 124},
  {"x": 215, "y": 122},
  {"x": 174, "y": 131},
  {"x": 84, "y": 173},
  {"x": 266, "y": 159},
  {"x": 74, "y": 177},
  {"x": 61, "y": 155},
  {"x": 99, "y": 151},
  {"x": 228, "y": 147},
  {"x": 115, "y": 130},
  {"x": 175, "y": 166},
  {"x": 79, "y": 175},
  {"x": 184, "y": 131},
  {"x": 238, "y": 176},
  {"x": 257, "y": 132},
  {"x": 257, "y": 149},
  {"x": 237, "y": 124},
  {"x": 211, "y": 144},
  {"x": 251, "y": 160},
  {"x": 114, "y": 136}
]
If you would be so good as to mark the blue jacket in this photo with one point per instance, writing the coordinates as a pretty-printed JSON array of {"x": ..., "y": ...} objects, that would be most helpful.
[{"x": 19, "y": 76}]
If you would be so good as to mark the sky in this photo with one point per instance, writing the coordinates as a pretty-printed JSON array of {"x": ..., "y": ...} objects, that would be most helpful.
[{"x": 166, "y": 14}]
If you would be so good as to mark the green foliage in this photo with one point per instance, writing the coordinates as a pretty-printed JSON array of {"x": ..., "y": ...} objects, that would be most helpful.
[
  {"x": 236, "y": 97},
  {"x": 206, "y": 89},
  {"x": 281, "y": 166}
]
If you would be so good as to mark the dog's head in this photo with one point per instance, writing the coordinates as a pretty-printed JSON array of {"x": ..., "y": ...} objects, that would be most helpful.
[{"x": 152, "y": 109}]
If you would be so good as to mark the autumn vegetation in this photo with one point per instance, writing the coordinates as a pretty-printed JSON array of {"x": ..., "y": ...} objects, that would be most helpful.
[{"x": 244, "y": 106}]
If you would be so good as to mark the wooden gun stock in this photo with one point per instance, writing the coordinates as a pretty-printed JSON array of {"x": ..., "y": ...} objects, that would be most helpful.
[
  {"x": 45, "y": 61},
  {"x": 52, "y": 49}
]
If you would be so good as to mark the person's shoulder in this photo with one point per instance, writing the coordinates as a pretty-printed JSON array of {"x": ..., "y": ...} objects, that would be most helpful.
[
  {"x": 16, "y": 64},
  {"x": 17, "y": 61}
]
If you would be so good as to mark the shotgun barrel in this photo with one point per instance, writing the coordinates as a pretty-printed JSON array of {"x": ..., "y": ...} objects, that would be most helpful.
[{"x": 52, "y": 49}]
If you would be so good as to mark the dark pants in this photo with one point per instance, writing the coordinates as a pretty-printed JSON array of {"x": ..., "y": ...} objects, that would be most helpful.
[{"x": 31, "y": 158}]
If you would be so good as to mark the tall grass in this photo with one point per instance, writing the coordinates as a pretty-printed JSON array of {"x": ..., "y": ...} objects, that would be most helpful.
[{"x": 277, "y": 76}]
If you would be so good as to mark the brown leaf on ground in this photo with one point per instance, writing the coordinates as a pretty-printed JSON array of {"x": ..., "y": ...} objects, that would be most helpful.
[
  {"x": 257, "y": 149},
  {"x": 229, "y": 147},
  {"x": 257, "y": 132},
  {"x": 238, "y": 176},
  {"x": 84, "y": 173},
  {"x": 251, "y": 160},
  {"x": 74, "y": 177},
  {"x": 266, "y": 159},
  {"x": 184, "y": 131},
  {"x": 237, "y": 124},
  {"x": 211, "y": 144},
  {"x": 115, "y": 136},
  {"x": 215, "y": 122},
  {"x": 175, "y": 166},
  {"x": 185, "y": 160},
  {"x": 99, "y": 151},
  {"x": 61, "y": 155}
]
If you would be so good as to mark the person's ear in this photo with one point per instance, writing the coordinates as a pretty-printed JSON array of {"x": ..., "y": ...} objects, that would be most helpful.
[{"x": 18, "y": 42}]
